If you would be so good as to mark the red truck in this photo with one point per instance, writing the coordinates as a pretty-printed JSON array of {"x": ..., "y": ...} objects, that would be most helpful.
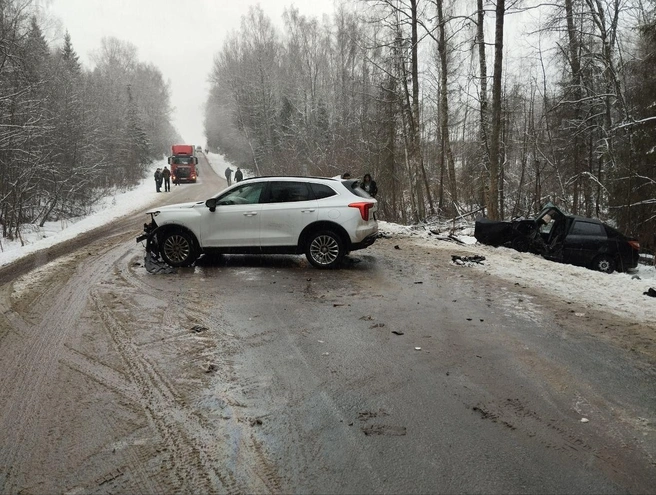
[{"x": 183, "y": 163}]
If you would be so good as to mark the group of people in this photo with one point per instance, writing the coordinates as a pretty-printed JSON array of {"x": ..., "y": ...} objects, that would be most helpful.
[
  {"x": 165, "y": 177},
  {"x": 239, "y": 176},
  {"x": 368, "y": 184}
]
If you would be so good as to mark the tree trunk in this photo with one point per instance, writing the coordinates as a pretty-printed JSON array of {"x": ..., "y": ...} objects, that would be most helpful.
[
  {"x": 484, "y": 131},
  {"x": 444, "y": 104},
  {"x": 575, "y": 66},
  {"x": 495, "y": 142}
]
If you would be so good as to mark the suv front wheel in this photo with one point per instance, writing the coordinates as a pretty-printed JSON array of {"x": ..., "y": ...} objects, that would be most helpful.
[
  {"x": 177, "y": 248},
  {"x": 325, "y": 249}
]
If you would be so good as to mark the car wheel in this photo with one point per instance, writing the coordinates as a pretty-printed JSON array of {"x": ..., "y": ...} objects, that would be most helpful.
[
  {"x": 325, "y": 249},
  {"x": 521, "y": 244},
  {"x": 177, "y": 248},
  {"x": 604, "y": 263}
]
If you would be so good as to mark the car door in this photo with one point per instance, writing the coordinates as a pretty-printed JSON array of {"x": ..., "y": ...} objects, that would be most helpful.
[
  {"x": 583, "y": 242},
  {"x": 288, "y": 207},
  {"x": 236, "y": 219}
]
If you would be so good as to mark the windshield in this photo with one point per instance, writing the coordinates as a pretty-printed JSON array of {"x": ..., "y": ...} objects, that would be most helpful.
[
  {"x": 242, "y": 195},
  {"x": 181, "y": 160}
]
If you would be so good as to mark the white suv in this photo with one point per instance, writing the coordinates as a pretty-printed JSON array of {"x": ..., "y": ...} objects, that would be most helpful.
[{"x": 323, "y": 218}]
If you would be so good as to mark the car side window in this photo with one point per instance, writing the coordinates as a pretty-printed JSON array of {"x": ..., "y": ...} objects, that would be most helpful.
[
  {"x": 587, "y": 228},
  {"x": 322, "y": 191},
  {"x": 246, "y": 194},
  {"x": 288, "y": 192}
]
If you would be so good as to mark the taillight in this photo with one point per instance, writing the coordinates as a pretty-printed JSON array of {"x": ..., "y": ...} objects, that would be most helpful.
[
  {"x": 364, "y": 209},
  {"x": 635, "y": 245}
]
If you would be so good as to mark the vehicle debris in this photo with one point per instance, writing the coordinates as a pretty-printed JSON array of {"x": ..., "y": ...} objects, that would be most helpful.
[
  {"x": 451, "y": 238},
  {"x": 467, "y": 260},
  {"x": 651, "y": 292},
  {"x": 585, "y": 420},
  {"x": 155, "y": 265},
  {"x": 377, "y": 325},
  {"x": 198, "y": 328},
  {"x": 367, "y": 415},
  {"x": 417, "y": 348},
  {"x": 398, "y": 332},
  {"x": 211, "y": 367},
  {"x": 386, "y": 430}
]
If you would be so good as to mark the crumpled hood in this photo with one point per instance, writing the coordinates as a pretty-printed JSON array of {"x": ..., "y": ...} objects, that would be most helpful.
[{"x": 180, "y": 206}]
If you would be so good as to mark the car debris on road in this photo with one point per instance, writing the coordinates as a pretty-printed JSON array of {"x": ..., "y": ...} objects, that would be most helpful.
[{"x": 467, "y": 260}]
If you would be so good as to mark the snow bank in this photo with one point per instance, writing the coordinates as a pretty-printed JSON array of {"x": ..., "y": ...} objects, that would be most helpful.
[
  {"x": 619, "y": 293},
  {"x": 116, "y": 205}
]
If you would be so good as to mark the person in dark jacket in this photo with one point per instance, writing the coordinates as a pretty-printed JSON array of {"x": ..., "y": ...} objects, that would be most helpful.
[
  {"x": 158, "y": 180},
  {"x": 238, "y": 175},
  {"x": 166, "y": 175},
  {"x": 369, "y": 185},
  {"x": 228, "y": 175}
]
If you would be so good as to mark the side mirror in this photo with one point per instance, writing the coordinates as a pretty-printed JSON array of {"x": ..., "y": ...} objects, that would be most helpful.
[
  {"x": 211, "y": 204},
  {"x": 170, "y": 160},
  {"x": 196, "y": 160}
]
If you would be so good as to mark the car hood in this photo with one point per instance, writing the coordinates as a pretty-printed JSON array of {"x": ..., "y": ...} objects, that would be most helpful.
[{"x": 180, "y": 206}]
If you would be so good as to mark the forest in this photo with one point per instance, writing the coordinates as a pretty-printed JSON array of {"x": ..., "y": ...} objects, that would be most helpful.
[
  {"x": 67, "y": 134},
  {"x": 457, "y": 108}
]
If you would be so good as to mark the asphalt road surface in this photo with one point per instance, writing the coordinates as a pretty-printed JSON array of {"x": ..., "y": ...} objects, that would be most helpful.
[{"x": 398, "y": 373}]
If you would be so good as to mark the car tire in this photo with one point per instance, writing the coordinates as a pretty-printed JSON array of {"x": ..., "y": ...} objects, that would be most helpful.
[
  {"x": 604, "y": 263},
  {"x": 324, "y": 249},
  {"x": 177, "y": 248},
  {"x": 521, "y": 244}
]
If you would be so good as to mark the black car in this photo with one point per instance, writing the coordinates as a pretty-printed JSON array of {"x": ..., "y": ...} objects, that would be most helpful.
[{"x": 564, "y": 238}]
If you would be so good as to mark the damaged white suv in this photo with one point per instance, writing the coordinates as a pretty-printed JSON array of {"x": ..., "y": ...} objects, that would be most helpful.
[{"x": 323, "y": 218}]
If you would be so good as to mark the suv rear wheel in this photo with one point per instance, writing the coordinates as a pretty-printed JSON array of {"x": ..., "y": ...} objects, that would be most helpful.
[
  {"x": 177, "y": 248},
  {"x": 604, "y": 263},
  {"x": 325, "y": 249}
]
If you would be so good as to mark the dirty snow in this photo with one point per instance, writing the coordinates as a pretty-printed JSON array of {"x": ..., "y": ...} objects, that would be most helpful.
[{"x": 619, "y": 293}]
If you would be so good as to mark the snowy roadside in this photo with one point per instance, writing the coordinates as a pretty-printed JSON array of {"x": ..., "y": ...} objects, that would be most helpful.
[
  {"x": 116, "y": 205},
  {"x": 219, "y": 165},
  {"x": 619, "y": 293}
]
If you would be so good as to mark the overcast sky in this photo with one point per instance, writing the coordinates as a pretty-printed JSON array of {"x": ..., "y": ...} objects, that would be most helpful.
[{"x": 178, "y": 36}]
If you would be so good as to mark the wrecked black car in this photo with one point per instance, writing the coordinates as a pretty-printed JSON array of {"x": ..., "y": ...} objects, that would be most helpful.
[{"x": 565, "y": 238}]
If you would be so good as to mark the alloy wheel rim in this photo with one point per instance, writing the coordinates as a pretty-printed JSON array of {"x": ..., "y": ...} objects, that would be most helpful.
[
  {"x": 176, "y": 248},
  {"x": 324, "y": 249}
]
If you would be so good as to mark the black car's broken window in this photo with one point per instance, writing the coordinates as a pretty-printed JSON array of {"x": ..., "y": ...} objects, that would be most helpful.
[{"x": 588, "y": 228}]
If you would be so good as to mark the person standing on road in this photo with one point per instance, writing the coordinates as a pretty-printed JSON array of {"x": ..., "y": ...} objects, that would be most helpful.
[
  {"x": 158, "y": 179},
  {"x": 238, "y": 175},
  {"x": 369, "y": 185},
  {"x": 228, "y": 175},
  {"x": 166, "y": 175}
]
